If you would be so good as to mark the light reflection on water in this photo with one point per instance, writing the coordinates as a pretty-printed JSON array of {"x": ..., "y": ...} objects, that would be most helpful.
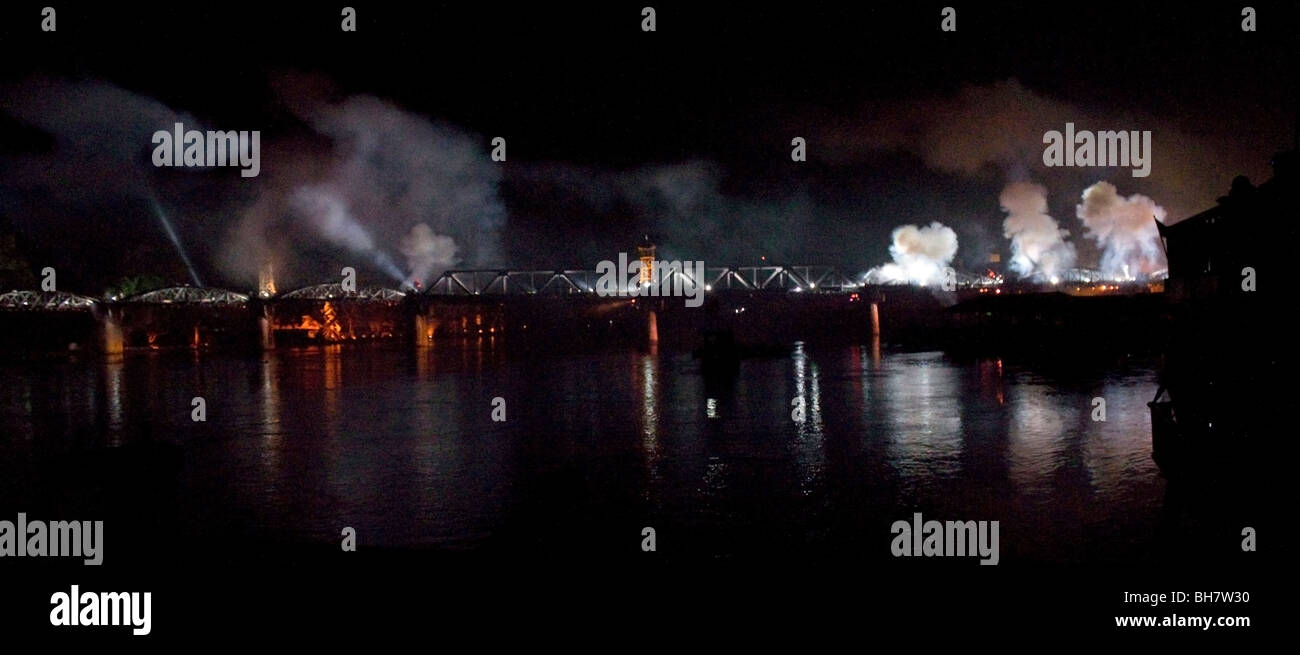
[
  {"x": 400, "y": 444},
  {"x": 808, "y": 444}
]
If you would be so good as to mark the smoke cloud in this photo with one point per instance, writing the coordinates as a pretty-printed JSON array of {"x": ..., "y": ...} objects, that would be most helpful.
[
  {"x": 426, "y": 252},
  {"x": 100, "y": 132},
  {"x": 348, "y": 183},
  {"x": 995, "y": 130},
  {"x": 348, "y": 179},
  {"x": 578, "y": 215},
  {"x": 1124, "y": 229},
  {"x": 373, "y": 179},
  {"x": 921, "y": 256},
  {"x": 1038, "y": 245}
]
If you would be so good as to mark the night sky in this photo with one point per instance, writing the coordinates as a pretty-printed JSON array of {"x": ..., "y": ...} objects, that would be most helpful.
[{"x": 683, "y": 133}]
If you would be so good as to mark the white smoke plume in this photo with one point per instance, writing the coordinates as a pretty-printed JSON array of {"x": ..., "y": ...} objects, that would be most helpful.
[
  {"x": 1038, "y": 245},
  {"x": 921, "y": 256},
  {"x": 1124, "y": 229},
  {"x": 369, "y": 171},
  {"x": 426, "y": 251}
]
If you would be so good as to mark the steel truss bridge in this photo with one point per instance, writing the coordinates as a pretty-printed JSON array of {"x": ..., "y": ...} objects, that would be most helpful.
[
  {"x": 459, "y": 303},
  {"x": 751, "y": 278},
  {"x": 820, "y": 279}
]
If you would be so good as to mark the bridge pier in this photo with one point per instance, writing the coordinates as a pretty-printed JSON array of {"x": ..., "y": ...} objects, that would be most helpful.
[
  {"x": 110, "y": 332},
  {"x": 652, "y": 327},
  {"x": 266, "y": 335},
  {"x": 875, "y": 320},
  {"x": 421, "y": 331},
  {"x": 418, "y": 325}
]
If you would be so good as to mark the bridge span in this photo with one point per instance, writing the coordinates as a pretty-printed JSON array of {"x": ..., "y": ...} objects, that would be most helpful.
[{"x": 489, "y": 304}]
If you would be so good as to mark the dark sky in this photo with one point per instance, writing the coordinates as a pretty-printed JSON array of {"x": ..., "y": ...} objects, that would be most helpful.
[{"x": 683, "y": 133}]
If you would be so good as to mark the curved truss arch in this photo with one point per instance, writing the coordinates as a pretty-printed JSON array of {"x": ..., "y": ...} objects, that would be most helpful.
[
  {"x": 190, "y": 295},
  {"x": 59, "y": 301},
  {"x": 335, "y": 292}
]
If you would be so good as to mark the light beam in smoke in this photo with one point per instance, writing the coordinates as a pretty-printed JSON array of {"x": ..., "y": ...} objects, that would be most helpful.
[
  {"x": 176, "y": 240},
  {"x": 329, "y": 215}
]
